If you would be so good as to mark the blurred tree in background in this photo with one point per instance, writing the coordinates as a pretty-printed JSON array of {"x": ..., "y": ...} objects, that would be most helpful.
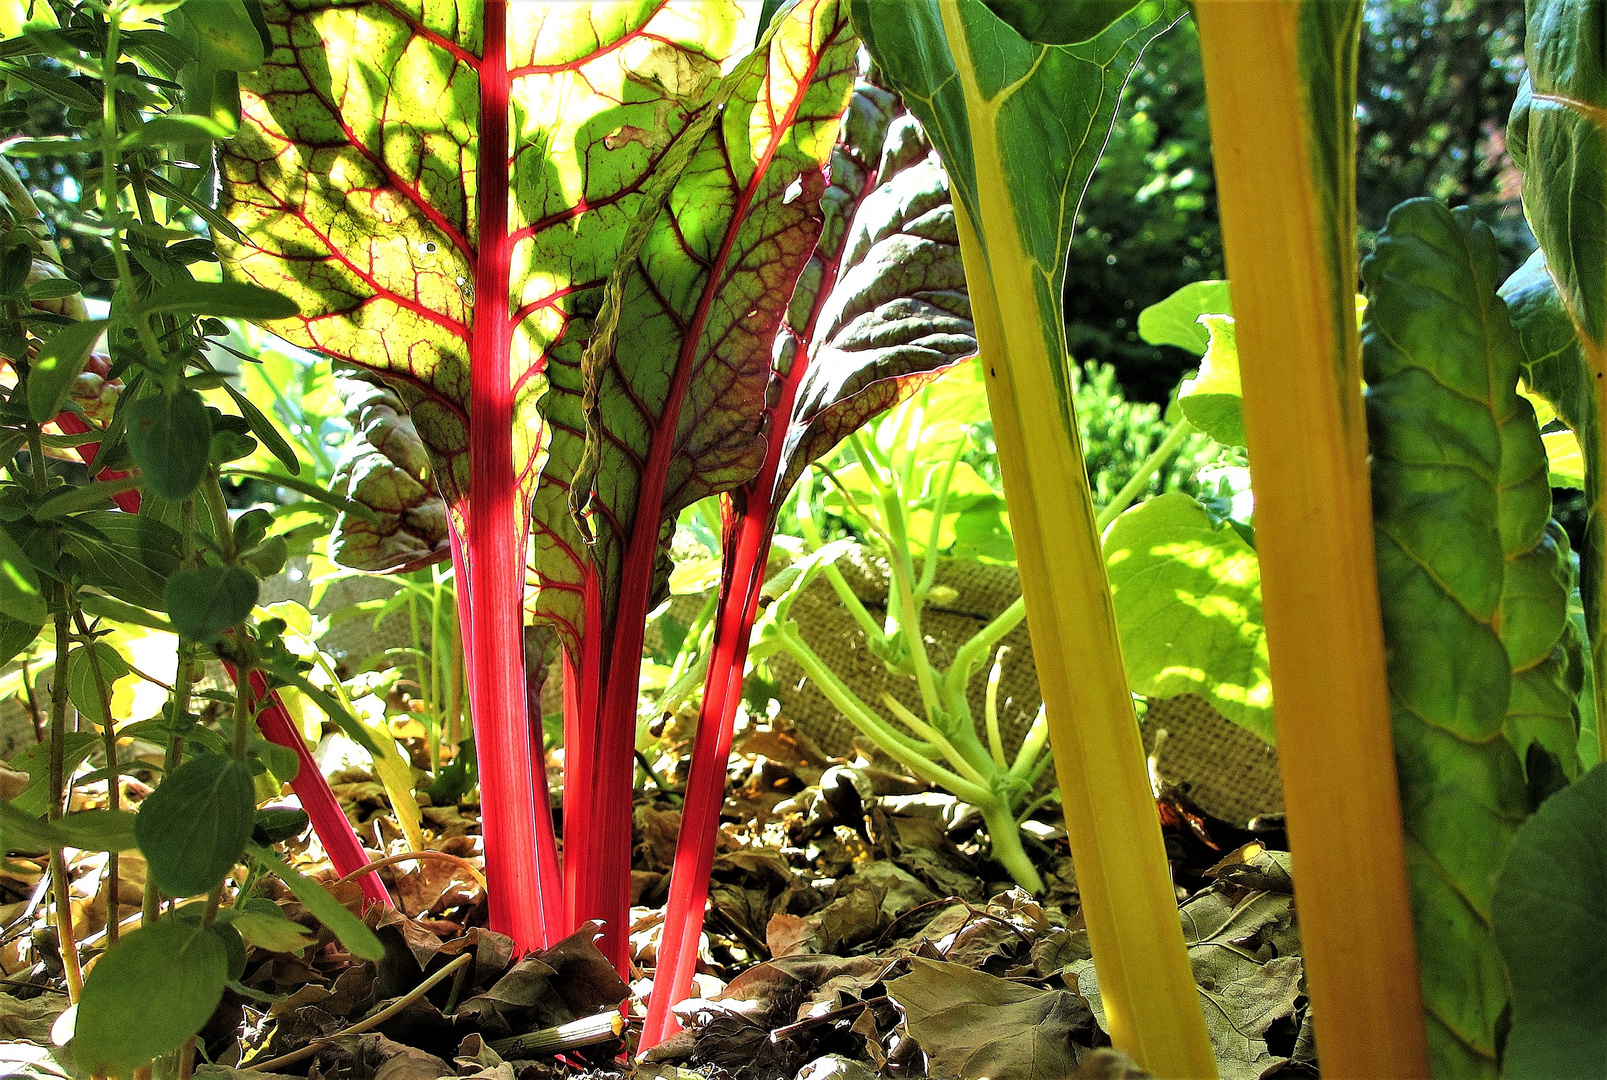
[{"x": 1436, "y": 82}]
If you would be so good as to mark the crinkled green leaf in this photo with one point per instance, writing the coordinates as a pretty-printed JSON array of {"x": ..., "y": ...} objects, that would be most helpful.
[
  {"x": 1188, "y": 605},
  {"x": 675, "y": 376},
  {"x": 1473, "y": 584},
  {"x": 1176, "y": 320},
  {"x": 1558, "y": 135},
  {"x": 387, "y": 470},
  {"x": 896, "y": 311},
  {"x": 1550, "y": 912}
]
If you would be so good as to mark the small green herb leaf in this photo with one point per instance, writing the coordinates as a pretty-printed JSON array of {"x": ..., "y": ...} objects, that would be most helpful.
[
  {"x": 225, "y": 299},
  {"x": 20, "y": 595},
  {"x": 351, "y": 930},
  {"x": 170, "y": 436},
  {"x": 204, "y": 601},
  {"x": 151, "y": 991},
  {"x": 194, "y": 827},
  {"x": 60, "y": 360},
  {"x": 82, "y": 686}
]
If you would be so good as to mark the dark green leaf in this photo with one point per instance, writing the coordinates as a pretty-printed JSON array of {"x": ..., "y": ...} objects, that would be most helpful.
[
  {"x": 128, "y": 555},
  {"x": 35, "y": 761},
  {"x": 170, "y": 436},
  {"x": 88, "y": 830},
  {"x": 60, "y": 87},
  {"x": 73, "y": 499},
  {"x": 82, "y": 686},
  {"x": 225, "y": 299},
  {"x": 204, "y": 601},
  {"x": 1550, "y": 915},
  {"x": 276, "y": 824},
  {"x": 151, "y": 991},
  {"x": 1060, "y": 22},
  {"x": 21, "y": 597},
  {"x": 351, "y": 931},
  {"x": 16, "y": 635},
  {"x": 194, "y": 827},
  {"x": 311, "y": 490},
  {"x": 265, "y": 430}
]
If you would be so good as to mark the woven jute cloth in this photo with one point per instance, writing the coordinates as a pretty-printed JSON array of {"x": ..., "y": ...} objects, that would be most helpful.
[{"x": 1227, "y": 771}]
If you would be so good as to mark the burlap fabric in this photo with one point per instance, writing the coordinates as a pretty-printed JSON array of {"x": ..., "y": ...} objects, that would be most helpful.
[{"x": 1226, "y": 771}]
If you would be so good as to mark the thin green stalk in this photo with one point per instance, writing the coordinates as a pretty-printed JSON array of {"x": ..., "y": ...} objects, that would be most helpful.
[
  {"x": 114, "y": 778},
  {"x": 839, "y": 585},
  {"x": 929, "y": 571},
  {"x": 969, "y": 656},
  {"x": 1140, "y": 479},
  {"x": 936, "y": 738},
  {"x": 912, "y": 755},
  {"x": 110, "y": 152},
  {"x": 184, "y": 678},
  {"x": 60, "y": 883},
  {"x": 1005, "y": 832},
  {"x": 991, "y": 710}
]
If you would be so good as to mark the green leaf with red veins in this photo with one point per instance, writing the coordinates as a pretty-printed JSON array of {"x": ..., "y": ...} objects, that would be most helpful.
[
  {"x": 354, "y": 180},
  {"x": 675, "y": 375},
  {"x": 898, "y": 314},
  {"x": 675, "y": 378},
  {"x": 358, "y": 182}
]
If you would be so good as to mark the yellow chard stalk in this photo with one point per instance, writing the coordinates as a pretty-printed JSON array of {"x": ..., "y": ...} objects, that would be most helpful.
[
  {"x": 1280, "y": 81},
  {"x": 1020, "y": 126}
]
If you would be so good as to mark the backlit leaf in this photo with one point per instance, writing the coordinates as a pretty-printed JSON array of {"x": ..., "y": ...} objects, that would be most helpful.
[
  {"x": 1473, "y": 584},
  {"x": 1188, "y": 606}
]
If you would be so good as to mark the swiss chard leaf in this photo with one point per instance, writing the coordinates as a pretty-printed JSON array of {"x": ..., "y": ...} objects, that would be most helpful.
[
  {"x": 466, "y": 278},
  {"x": 676, "y": 371},
  {"x": 1474, "y": 587},
  {"x": 1188, "y": 603}
]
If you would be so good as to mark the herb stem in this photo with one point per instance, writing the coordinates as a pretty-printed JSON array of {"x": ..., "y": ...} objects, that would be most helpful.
[{"x": 114, "y": 778}]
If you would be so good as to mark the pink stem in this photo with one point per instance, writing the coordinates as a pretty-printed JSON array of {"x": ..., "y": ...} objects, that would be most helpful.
[
  {"x": 510, "y": 794},
  {"x": 334, "y": 830},
  {"x": 705, "y": 786}
]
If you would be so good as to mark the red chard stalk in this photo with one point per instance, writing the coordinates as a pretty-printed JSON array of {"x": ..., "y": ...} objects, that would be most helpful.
[
  {"x": 879, "y": 310},
  {"x": 445, "y": 190},
  {"x": 675, "y": 375}
]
